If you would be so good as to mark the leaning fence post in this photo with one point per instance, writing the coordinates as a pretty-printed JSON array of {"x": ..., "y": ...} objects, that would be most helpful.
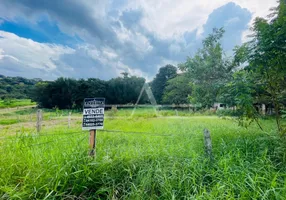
[
  {"x": 208, "y": 143},
  {"x": 39, "y": 120}
]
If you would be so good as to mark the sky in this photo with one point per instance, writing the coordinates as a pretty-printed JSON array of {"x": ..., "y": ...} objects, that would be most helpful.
[{"x": 102, "y": 38}]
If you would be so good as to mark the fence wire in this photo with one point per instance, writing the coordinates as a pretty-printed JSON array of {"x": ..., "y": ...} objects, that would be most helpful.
[{"x": 80, "y": 132}]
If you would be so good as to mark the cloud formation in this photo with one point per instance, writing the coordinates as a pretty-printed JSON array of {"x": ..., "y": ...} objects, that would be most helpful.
[{"x": 109, "y": 37}]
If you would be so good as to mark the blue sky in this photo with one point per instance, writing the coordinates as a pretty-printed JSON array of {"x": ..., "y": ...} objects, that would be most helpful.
[{"x": 100, "y": 39}]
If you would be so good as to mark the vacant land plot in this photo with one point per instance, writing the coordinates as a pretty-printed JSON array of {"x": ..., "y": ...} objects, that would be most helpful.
[{"x": 146, "y": 156}]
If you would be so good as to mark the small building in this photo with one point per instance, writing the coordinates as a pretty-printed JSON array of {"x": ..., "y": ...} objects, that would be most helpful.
[{"x": 219, "y": 106}]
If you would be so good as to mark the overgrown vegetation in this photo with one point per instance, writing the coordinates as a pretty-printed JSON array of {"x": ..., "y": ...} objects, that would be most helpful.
[{"x": 157, "y": 158}]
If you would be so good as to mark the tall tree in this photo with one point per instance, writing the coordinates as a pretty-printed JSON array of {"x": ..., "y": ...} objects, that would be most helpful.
[
  {"x": 265, "y": 56},
  {"x": 91, "y": 87},
  {"x": 123, "y": 90},
  {"x": 178, "y": 90},
  {"x": 209, "y": 69},
  {"x": 160, "y": 81},
  {"x": 240, "y": 92}
]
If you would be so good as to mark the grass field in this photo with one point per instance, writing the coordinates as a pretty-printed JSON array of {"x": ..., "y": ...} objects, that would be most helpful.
[
  {"x": 16, "y": 103},
  {"x": 154, "y": 157}
]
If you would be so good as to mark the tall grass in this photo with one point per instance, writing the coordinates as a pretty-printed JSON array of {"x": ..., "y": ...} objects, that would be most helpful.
[
  {"x": 16, "y": 103},
  {"x": 165, "y": 161}
]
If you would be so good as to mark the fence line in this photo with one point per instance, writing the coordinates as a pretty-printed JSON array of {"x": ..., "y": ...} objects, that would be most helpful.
[
  {"x": 80, "y": 132},
  {"x": 51, "y": 141},
  {"x": 134, "y": 132},
  {"x": 75, "y": 133},
  {"x": 48, "y": 142},
  {"x": 38, "y": 135}
]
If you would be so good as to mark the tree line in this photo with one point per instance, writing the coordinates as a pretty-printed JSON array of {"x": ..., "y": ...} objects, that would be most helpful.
[{"x": 68, "y": 93}]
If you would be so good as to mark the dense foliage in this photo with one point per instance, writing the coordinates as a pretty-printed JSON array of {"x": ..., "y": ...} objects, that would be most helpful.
[
  {"x": 177, "y": 90},
  {"x": 160, "y": 81},
  {"x": 16, "y": 87},
  {"x": 208, "y": 69},
  {"x": 67, "y": 93},
  {"x": 263, "y": 79}
]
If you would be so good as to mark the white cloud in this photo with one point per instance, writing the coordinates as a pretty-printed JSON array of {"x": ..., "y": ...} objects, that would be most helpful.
[
  {"x": 110, "y": 48},
  {"x": 30, "y": 53},
  {"x": 25, "y": 57},
  {"x": 169, "y": 18}
]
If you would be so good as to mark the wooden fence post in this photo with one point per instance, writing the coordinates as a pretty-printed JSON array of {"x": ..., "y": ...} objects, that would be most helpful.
[
  {"x": 176, "y": 112},
  {"x": 39, "y": 120},
  {"x": 69, "y": 120},
  {"x": 263, "y": 109},
  {"x": 92, "y": 142},
  {"x": 208, "y": 143}
]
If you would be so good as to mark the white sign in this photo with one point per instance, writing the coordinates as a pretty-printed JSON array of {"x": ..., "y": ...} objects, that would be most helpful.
[{"x": 93, "y": 113}]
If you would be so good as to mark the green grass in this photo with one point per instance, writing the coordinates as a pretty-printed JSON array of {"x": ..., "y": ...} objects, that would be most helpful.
[
  {"x": 8, "y": 121},
  {"x": 165, "y": 161},
  {"x": 16, "y": 103}
]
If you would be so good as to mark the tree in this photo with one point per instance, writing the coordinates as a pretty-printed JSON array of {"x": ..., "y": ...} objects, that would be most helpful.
[
  {"x": 41, "y": 95},
  {"x": 265, "y": 56},
  {"x": 240, "y": 92},
  {"x": 177, "y": 90},
  {"x": 58, "y": 93},
  {"x": 124, "y": 90},
  {"x": 159, "y": 83},
  {"x": 208, "y": 70},
  {"x": 91, "y": 87}
]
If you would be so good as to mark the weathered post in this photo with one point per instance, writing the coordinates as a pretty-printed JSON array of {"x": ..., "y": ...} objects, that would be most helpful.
[
  {"x": 208, "y": 143},
  {"x": 263, "y": 109},
  {"x": 114, "y": 108},
  {"x": 92, "y": 142},
  {"x": 39, "y": 120},
  {"x": 176, "y": 112},
  {"x": 69, "y": 120}
]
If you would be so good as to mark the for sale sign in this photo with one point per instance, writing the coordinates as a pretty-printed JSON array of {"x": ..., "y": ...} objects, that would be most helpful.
[{"x": 93, "y": 113}]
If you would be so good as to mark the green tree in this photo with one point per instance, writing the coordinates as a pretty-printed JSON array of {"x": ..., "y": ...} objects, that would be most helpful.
[
  {"x": 16, "y": 87},
  {"x": 89, "y": 88},
  {"x": 265, "y": 56},
  {"x": 178, "y": 90},
  {"x": 160, "y": 81},
  {"x": 209, "y": 70},
  {"x": 41, "y": 95},
  {"x": 123, "y": 90},
  {"x": 240, "y": 92}
]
